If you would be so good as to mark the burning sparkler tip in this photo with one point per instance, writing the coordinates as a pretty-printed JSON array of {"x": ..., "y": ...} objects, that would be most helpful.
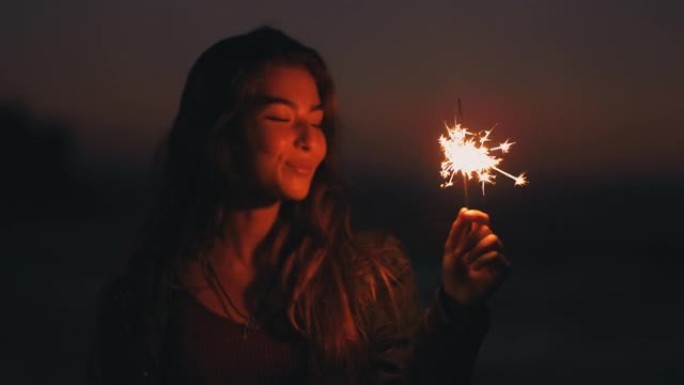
[{"x": 467, "y": 154}]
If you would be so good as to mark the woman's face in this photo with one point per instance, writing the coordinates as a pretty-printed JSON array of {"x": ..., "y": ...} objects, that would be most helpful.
[{"x": 284, "y": 137}]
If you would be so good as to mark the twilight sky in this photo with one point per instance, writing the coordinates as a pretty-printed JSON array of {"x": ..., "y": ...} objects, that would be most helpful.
[{"x": 586, "y": 88}]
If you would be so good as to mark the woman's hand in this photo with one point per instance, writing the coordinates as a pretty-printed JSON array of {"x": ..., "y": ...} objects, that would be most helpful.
[{"x": 473, "y": 266}]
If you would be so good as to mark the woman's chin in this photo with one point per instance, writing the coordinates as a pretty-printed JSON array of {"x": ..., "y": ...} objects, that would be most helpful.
[
  {"x": 298, "y": 196},
  {"x": 295, "y": 193}
]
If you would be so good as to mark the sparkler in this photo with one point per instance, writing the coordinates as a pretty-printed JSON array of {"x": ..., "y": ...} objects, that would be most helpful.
[{"x": 466, "y": 153}]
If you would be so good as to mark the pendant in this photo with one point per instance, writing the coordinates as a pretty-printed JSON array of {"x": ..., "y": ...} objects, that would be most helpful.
[{"x": 248, "y": 327}]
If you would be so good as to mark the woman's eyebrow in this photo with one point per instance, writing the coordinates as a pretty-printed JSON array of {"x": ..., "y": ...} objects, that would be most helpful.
[{"x": 268, "y": 99}]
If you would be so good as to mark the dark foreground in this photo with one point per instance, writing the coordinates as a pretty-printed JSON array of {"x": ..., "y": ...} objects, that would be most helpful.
[{"x": 595, "y": 295}]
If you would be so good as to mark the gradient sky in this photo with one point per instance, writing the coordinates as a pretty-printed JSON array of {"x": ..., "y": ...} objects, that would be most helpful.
[{"x": 586, "y": 88}]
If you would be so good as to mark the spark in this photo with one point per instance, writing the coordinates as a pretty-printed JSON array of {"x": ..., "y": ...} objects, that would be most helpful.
[{"x": 465, "y": 152}]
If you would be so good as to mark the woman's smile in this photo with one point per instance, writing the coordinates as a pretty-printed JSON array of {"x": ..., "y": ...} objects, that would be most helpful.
[{"x": 301, "y": 168}]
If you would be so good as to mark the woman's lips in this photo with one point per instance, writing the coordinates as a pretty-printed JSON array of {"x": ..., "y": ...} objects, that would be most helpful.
[{"x": 300, "y": 168}]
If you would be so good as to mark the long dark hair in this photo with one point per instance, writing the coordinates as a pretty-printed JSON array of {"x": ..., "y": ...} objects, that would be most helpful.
[{"x": 326, "y": 282}]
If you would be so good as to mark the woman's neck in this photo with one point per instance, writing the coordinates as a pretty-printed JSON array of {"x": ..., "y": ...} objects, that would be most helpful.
[{"x": 245, "y": 231}]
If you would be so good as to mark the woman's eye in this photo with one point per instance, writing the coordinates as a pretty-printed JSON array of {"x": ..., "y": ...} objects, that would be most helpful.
[
  {"x": 277, "y": 118},
  {"x": 316, "y": 119}
]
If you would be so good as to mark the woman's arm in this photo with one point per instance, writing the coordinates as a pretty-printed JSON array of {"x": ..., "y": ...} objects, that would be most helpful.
[
  {"x": 441, "y": 344},
  {"x": 436, "y": 346},
  {"x": 447, "y": 342}
]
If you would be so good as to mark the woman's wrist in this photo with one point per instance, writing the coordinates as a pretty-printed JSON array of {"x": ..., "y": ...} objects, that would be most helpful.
[{"x": 458, "y": 309}]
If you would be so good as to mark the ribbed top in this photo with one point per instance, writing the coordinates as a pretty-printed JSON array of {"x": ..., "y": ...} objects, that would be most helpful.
[{"x": 205, "y": 348}]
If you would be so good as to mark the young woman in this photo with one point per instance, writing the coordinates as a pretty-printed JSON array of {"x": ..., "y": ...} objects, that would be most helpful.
[{"x": 250, "y": 273}]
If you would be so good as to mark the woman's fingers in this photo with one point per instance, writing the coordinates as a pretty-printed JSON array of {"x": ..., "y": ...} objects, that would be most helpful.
[
  {"x": 465, "y": 224},
  {"x": 473, "y": 265},
  {"x": 456, "y": 232},
  {"x": 478, "y": 233},
  {"x": 483, "y": 245},
  {"x": 492, "y": 259},
  {"x": 475, "y": 216}
]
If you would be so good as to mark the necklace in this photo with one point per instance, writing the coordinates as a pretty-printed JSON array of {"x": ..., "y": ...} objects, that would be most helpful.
[{"x": 222, "y": 294}]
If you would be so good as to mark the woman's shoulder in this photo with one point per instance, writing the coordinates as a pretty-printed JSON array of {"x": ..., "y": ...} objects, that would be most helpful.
[
  {"x": 126, "y": 337},
  {"x": 125, "y": 295},
  {"x": 121, "y": 288}
]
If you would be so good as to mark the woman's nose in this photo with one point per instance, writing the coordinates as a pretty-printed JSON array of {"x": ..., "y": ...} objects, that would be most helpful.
[{"x": 306, "y": 137}]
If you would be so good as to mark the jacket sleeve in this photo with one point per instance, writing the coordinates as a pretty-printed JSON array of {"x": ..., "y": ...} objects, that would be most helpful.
[
  {"x": 435, "y": 346},
  {"x": 447, "y": 342}
]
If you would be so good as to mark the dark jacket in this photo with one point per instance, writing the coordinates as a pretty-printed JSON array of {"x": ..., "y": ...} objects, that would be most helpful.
[{"x": 436, "y": 346}]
